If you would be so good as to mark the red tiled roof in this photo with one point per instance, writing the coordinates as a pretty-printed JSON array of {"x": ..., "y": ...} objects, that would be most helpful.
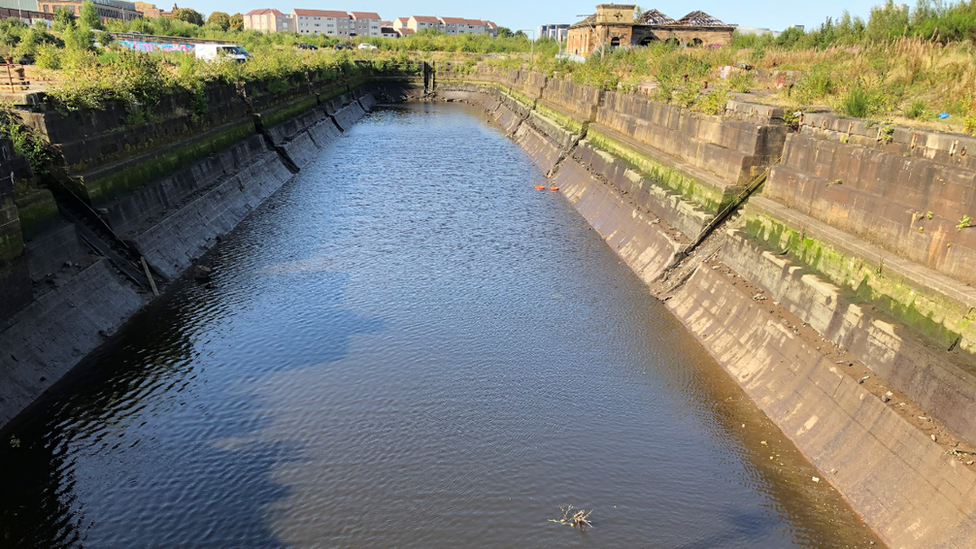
[
  {"x": 365, "y": 15},
  {"x": 425, "y": 19},
  {"x": 264, "y": 11},
  {"x": 321, "y": 13},
  {"x": 402, "y": 20},
  {"x": 490, "y": 25},
  {"x": 386, "y": 23},
  {"x": 404, "y": 31},
  {"x": 475, "y": 22},
  {"x": 454, "y": 21}
]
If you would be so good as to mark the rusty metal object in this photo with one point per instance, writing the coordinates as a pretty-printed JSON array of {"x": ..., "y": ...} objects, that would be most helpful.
[{"x": 12, "y": 78}]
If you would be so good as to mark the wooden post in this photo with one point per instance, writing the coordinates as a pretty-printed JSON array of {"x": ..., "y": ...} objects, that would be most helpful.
[{"x": 152, "y": 283}]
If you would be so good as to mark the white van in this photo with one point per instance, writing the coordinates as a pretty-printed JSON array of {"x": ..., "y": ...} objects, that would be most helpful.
[{"x": 211, "y": 52}]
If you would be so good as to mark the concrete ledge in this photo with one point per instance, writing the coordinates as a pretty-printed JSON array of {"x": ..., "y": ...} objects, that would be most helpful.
[
  {"x": 942, "y": 383},
  {"x": 668, "y": 205},
  {"x": 130, "y": 213},
  {"x": 904, "y": 485},
  {"x": 935, "y": 305},
  {"x": 703, "y": 188}
]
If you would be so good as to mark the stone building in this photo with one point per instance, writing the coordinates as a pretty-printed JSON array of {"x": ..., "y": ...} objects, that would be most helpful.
[{"x": 614, "y": 25}]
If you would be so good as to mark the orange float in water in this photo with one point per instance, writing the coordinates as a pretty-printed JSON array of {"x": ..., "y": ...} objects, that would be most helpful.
[
  {"x": 553, "y": 189},
  {"x": 540, "y": 187}
]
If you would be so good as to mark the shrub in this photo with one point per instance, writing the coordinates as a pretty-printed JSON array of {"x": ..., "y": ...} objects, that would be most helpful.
[
  {"x": 856, "y": 103},
  {"x": 915, "y": 110}
]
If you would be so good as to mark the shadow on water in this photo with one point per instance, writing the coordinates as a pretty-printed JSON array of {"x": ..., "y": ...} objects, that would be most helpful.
[
  {"x": 137, "y": 434},
  {"x": 740, "y": 526}
]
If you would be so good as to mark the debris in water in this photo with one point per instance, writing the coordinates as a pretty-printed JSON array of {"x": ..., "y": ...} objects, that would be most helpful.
[{"x": 578, "y": 519}]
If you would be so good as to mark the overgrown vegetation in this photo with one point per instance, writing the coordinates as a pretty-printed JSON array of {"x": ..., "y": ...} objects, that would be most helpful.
[
  {"x": 27, "y": 141},
  {"x": 916, "y": 65}
]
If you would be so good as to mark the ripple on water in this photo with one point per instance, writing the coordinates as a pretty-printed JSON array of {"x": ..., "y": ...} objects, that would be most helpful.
[{"x": 407, "y": 346}]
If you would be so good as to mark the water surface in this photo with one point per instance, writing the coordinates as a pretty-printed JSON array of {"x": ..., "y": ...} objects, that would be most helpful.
[{"x": 409, "y": 346}]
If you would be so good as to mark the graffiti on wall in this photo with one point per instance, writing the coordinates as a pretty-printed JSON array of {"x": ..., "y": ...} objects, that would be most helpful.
[{"x": 154, "y": 46}]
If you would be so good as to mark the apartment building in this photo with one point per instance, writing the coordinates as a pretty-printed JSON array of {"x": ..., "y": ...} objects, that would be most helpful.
[
  {"x": 366, "y": 23},
  {"x": 418, "y": 23},
  {"x": 269, "y": 20},
  {"x": 557, "y": 32},
  {"x": 329, "y": 23}
]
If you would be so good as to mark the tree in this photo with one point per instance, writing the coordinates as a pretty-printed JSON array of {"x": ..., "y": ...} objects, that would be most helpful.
[
  {"x": 190, "y": 16},
  {"x": 63, "y": 18},
  {"x": 504, "y": 32},
  {"x": 237, "y": 22},
  {"x": 887, "y": 21},
  {"x": 89, "y": 16},
  {"x": 219, "y": 20},
  {"x": 520, "y": 35}
]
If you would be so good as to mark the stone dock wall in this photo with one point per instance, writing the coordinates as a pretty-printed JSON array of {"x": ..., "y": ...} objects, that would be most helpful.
[
  {"x": 165, "y": 189},
  {"x": 837, "y": 295}
]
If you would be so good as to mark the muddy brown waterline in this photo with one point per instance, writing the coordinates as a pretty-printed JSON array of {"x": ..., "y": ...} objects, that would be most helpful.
[{"x": 409, "y": 346}]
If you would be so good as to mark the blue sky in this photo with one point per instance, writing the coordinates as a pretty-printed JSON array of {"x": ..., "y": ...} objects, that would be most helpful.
[{"x": 524, "y": 15}]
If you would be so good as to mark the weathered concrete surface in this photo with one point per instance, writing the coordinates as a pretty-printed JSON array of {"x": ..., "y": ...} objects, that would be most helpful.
[
  {"x": 640, "y": 239},
  {"x": 173, "y": 244},
  {"x": 46, "y": 339},
  {"x": 129, "y": 214},
  {"x": 940, "y": 380},
  {"x": 15, "y": 287},
  {"x": 903, "y": 483},
  {"x": 908, "y": 206},
  {"x": 171, "y": 220},
  {"x": 347, "y": 116}
]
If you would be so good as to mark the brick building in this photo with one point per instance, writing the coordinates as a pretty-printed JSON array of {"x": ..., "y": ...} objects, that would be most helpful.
[
  {"x": 107, "y": 9},
  {"x": 614, "y": 25}
]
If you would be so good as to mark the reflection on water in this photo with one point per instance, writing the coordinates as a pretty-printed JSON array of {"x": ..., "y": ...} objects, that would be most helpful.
[{"x": 407, "y": 346}]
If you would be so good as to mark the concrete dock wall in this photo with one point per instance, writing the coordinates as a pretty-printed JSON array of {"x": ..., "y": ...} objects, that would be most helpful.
[
  {"x": 651, "y": 177},
  {"x": 170, "y": 220}
]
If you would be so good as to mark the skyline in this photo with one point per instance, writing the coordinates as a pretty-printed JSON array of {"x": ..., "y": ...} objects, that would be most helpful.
[{"x": 519, "y": 16}]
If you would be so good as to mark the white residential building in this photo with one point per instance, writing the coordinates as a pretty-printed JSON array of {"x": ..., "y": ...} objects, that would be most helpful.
[
  {"x": 419, "y": 23},
  {"x": 329, "y": 23},
  {"x": 367, "y": 23}
]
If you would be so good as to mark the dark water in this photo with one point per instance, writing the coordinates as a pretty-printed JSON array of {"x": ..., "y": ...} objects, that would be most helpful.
[{"x": 409, "y": 346}]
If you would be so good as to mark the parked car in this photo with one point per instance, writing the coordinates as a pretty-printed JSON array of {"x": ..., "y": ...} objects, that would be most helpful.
[
  {"x": 365, "y": 46},
  {"x": 213, "y": 52},
  {"x": 307, "y": 47},
  {"x": 341, "y": 47}
]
